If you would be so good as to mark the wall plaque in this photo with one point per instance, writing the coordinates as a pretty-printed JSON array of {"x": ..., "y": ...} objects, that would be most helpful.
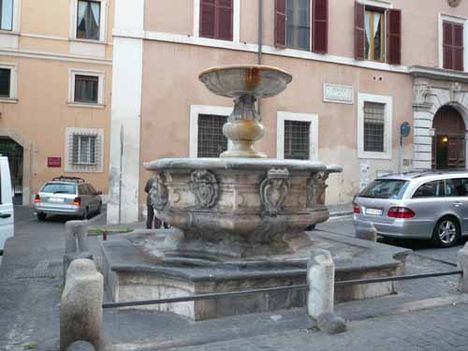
[
  {"x": 54, "y": 162},
  {"x": 342, "y": 94}
]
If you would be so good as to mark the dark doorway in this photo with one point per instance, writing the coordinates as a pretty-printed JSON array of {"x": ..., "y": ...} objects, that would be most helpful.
[
  {"x": 14, "y": 152},
  {"x": 448, "y": 146}
]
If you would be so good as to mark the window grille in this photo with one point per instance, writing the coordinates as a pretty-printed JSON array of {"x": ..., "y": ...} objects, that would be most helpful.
[
  {"x": 6, "y": 14},
  {"x": 5, "y": 79},
  {"x": 296, "y": 140},
  {"x": 211, "y": 140},
  {"x": 374, "y": 127},
  {"x": 86, "y": 89},
  {"x": 84, "y": 149},
  {"x": 298, "y": 24},
  {"x": 88, "y": 20}
]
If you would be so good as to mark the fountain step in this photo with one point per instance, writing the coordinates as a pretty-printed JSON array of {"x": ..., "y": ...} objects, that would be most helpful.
[{"x": 133, "y": 274}]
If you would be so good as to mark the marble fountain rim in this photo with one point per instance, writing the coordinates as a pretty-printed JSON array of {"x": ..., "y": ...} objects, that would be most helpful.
[{"x": 240, "y": 164}]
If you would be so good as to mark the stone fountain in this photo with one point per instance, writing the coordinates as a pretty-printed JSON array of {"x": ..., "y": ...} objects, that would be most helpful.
[{"x": 239, "y": 220}]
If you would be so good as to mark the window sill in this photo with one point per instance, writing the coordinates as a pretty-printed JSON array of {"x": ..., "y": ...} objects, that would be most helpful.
[
  {"x": 9, "y": 32},
  {"x": 86, "y": 105},
  {"x": 8, "y": 100},
  {"x": 89, "y": 41}
]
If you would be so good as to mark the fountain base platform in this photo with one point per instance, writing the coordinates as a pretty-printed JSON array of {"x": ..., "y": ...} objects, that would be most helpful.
[{"x": 136, "y": 269}]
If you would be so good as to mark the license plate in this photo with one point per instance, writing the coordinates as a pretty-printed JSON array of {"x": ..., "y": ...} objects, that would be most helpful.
[
  {"x": 374, "y": 211},
  {"x": 56, "y": 200}
]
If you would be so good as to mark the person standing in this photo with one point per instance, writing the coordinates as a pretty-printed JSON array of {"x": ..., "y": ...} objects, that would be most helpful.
[{"x": 151, "y": 220}]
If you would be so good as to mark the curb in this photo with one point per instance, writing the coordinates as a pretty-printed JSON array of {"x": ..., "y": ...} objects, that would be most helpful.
[{"x": 340, "y": 214}]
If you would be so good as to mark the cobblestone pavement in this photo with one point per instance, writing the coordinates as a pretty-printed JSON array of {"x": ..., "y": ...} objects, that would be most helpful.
[
  {"x": 439, "y": 329},
  {"x": 31, "y": 283}
]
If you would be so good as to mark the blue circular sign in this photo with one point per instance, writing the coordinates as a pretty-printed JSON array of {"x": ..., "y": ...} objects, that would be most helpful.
[{"x": 405, "y": 129}]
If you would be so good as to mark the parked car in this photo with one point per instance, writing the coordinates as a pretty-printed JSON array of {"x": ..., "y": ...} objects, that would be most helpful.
[
  {"x": 67, "y": 196},
  {"x": 417, "y": 205},
  {"x": 6, "y": 203}
]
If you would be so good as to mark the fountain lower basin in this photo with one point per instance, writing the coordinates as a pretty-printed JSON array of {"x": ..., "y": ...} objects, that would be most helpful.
[{"x": 238, "y": 208}]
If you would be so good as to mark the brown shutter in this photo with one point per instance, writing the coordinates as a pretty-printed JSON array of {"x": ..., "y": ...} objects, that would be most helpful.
[
  {"x": 458, "y": 47},
  {"x": 280, "y": 23},
  {"x": 320, "y": 26},
  {"x": 224, "y": 19},
  {"x": 207, "y": 18},
  {"x": 447, "y": 45},
  {"x": 359, "y": 31},
  {"x": 394, "y": 36}
]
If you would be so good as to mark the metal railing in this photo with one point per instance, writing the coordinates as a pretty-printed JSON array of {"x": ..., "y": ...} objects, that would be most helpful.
[{"x": 213, "y": 296}]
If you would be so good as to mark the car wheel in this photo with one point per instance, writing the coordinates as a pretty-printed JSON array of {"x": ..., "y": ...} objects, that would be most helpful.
[
  {"x": 446, "y": 232},
  {"x": 41, "y": 216},
  {"x": 99, "y": 209},
  {"x": 310, "y": 227},
  {"x": 85, "y": 214}
]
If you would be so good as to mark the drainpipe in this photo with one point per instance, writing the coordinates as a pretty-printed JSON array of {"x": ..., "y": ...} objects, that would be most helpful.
[
  {"x": 260, "y": 31},
  {"x": 260, "y": 41}
]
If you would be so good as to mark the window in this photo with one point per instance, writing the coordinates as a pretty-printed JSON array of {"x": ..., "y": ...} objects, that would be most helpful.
[
  {"x": 211, "y": 140},
  {"x": 298, "y": 24},
  {"x": 430, "y": 189},
  {"x": 86, "y": 89},
  {"x": 377, "y": 34},
  {"x": 216, "y": 19},
  {"x": 297, "y": 136},
  {"x": 302, "y": 24},
  {"x": 374, "y": 127},
  {"x": 88, "y": 24},
  {"x": 296, "y": 140},
  {"x": 5, "y": 83},
  {"x": 456, "y": 187},
  {"x": 452, "y": 45},
  {"x": 6, "y": 14},
  {"x": 385, "y": 189},
  {"x": 374, "y": 130},
  {"x": 84, "y": 149}
]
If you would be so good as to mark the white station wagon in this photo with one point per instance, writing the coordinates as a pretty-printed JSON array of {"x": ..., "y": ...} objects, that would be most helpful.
[{"x": 417, "y": 205}]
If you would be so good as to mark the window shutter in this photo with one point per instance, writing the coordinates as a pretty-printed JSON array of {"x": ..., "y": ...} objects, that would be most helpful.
[
  {"x": 359, "y": 31},
  {"x": 207, "y": 18},
  {"x": 394, "y": 37},
  {"x": 320, "y": 26},
  {"x": 458, "y": 47},
  {"x": 224, "y": 19},
  {"x": 280, "y": 23},
  {"x": 447, "y": 45}
]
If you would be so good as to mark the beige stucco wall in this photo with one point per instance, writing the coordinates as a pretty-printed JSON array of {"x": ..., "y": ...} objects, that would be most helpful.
[
  {"x": 171, "y": 86},
  {"x": 43, "y": 59},
  {"x": 42, "y": 114}
]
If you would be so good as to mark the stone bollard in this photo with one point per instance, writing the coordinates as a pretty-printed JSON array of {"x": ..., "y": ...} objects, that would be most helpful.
[
  {"x": 463, "y": 265},
  {"x": 81, "y": 306},
  {"x": 320, "y": 297},
  {"x": 365, "y": 231},
  {"x": 76, "y": 243}
]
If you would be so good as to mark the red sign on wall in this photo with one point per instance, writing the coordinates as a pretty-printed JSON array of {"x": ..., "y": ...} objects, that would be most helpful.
[{"x": 54, "y": 162}]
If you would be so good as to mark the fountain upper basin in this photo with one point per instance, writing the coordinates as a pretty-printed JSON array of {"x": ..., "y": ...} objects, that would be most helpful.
[{"x": 235, "y": 81}]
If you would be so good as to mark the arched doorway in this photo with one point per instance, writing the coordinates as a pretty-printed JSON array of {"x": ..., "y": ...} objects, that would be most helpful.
[
  {"x": 14, "y": 152},
  {"x": 448, "y": 145}
]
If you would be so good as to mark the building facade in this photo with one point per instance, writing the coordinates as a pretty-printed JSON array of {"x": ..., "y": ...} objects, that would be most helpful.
[
  {"x": 361, "y": 69},
  {"x": 55, "y": 88}
]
